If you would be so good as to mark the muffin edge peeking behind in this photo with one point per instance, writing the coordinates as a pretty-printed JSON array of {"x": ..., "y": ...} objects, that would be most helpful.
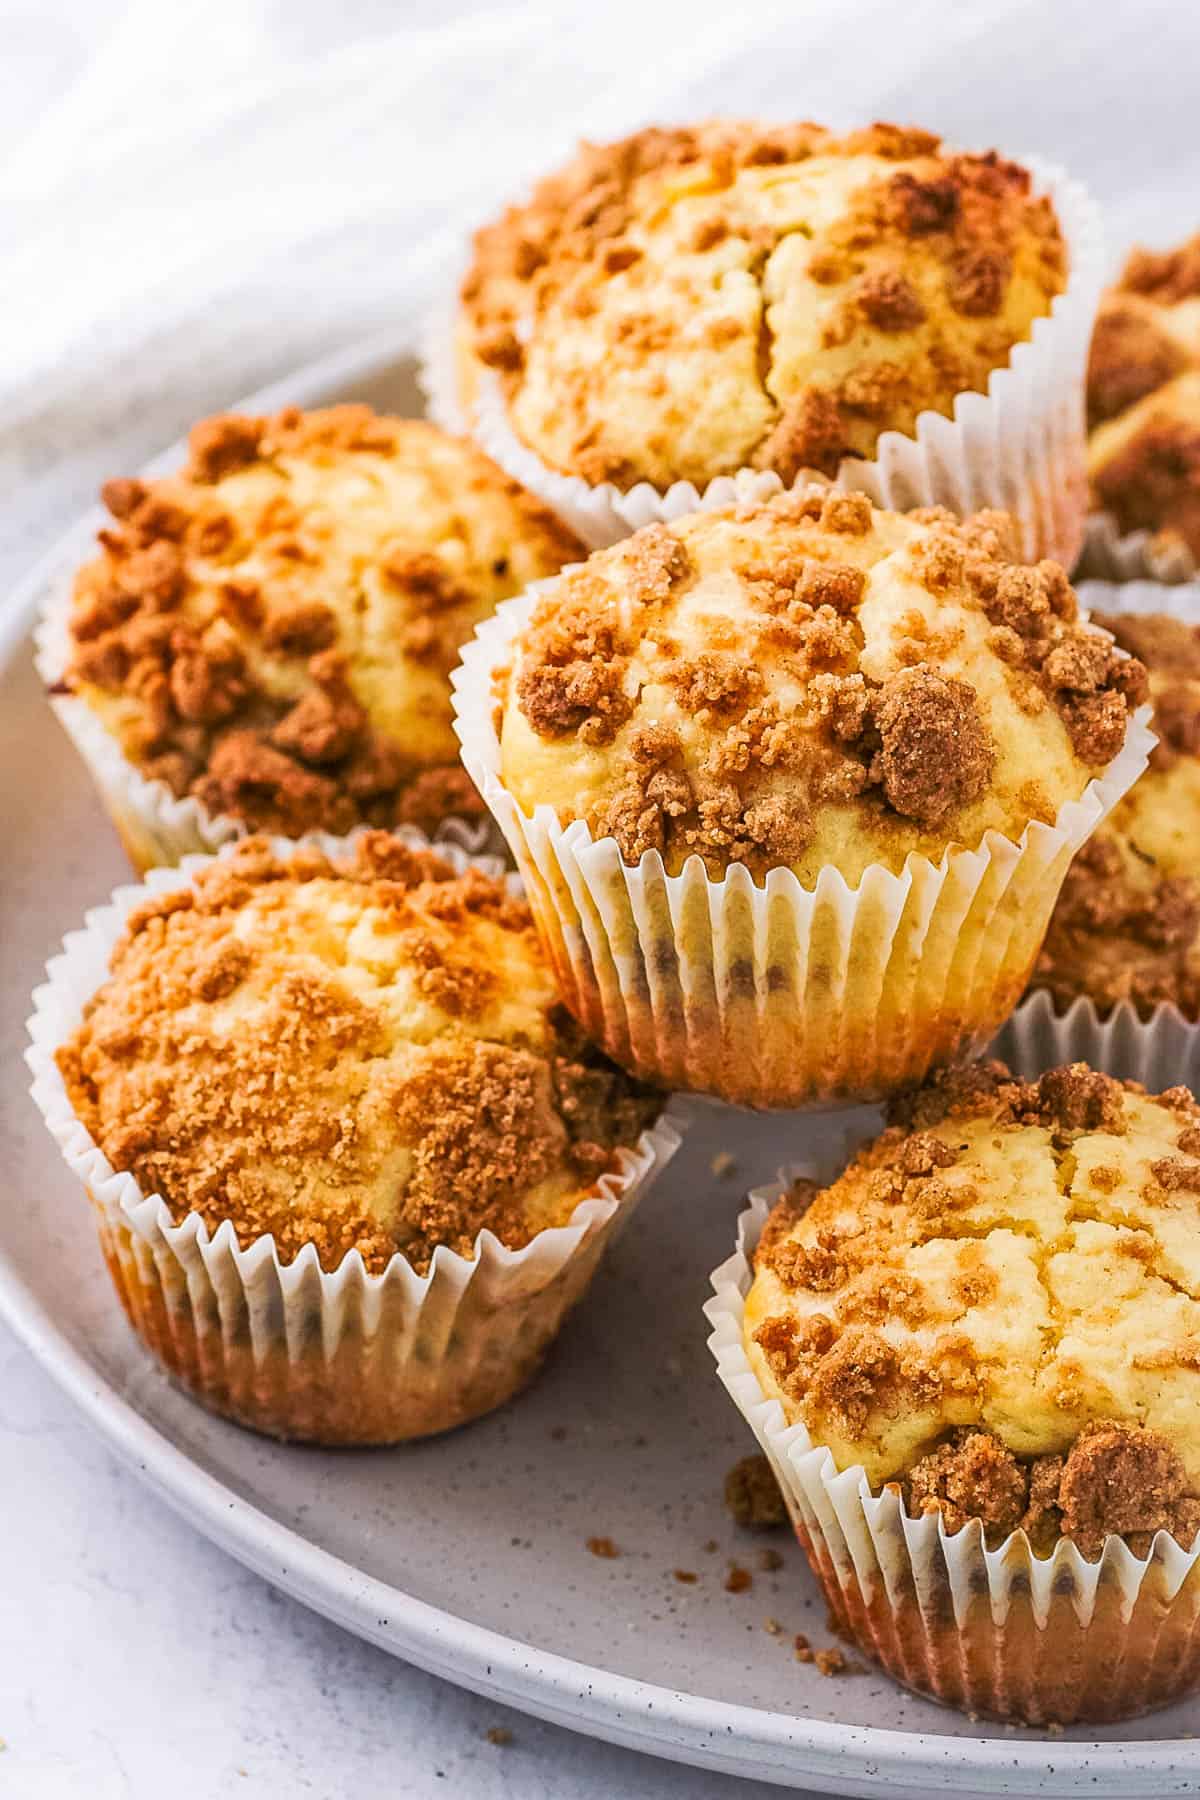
[
  {"x": 1127, "y": 923},
  {"x": 1144, "y": 398}
]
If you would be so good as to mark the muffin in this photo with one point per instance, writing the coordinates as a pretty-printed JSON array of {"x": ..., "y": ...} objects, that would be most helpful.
[
  {"x": 1144, "y": 415},
  {"x": 352, "y": 1162},
  {"x": 794, "y": 786},
  {"x": 265, "y": 639},
  {"x": 1127, "y": 924},
  {"x": 702, "y": 300},
  {"x": 972, "y": 1360}
]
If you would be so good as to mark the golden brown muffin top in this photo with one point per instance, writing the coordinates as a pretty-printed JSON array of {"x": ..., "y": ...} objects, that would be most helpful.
[
  {"x": 273, "y": 628},
  {"x": 809, "y": 682},
  {"x": 1144, "y": 396},
  {"x": 1127, "y": 923},
  {"x": 360, "y": 1053},
  {"x": 699, "y": 299},
  {"x": 995, "y": 1306}
]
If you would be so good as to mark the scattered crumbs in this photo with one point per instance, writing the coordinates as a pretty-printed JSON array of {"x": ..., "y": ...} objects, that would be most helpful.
[
  {"x": 687, "y": 1576},
  {"x": 602, "y": 1546},
  {"x": 752, "y": 1494},
  {"x": 499, "y": 1734},
  {"x": 826, "y": 1662},
  {"x": 558, "y": 1433},
  {"x": 1053, "y": 1728},
  {"x": 711, "y": 1546},
  {"x": 738, "y": 1579},
  {"x": 773, "y": 1627},
  {"x": 722, "y": 1165},
  {"x": 836, "y": 1662}
]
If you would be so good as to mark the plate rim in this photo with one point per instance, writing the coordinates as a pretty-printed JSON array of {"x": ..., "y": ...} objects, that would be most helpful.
[{"x": 658, "y": 1721}]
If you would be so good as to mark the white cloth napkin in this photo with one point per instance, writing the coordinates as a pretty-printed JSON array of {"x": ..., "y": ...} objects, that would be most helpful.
[{"x": 197, "y": 197}]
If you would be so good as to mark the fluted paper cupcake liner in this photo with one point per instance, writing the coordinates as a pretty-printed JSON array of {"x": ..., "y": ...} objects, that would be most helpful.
[
  {"x": 1000, "y": 1632},
  {"x": 157, "y": 828},
  {"x": 338, "y": 1357},
  {"x": 1109, "y": 555},
  {"x": 1019, "y": 446},
  {"x": 1161, "y": 1050},
  {"x": 779, "y": 995}
]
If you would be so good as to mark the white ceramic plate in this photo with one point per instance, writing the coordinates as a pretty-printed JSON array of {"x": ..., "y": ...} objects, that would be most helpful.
[{"x": 468, "y": 1554}]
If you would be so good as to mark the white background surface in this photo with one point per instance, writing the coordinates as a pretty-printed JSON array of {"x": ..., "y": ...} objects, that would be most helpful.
[{"x": 194, "y": 198}]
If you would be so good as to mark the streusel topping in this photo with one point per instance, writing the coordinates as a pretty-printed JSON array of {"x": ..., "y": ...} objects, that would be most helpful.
[
  {"x": 694, "y": 300},
  {"x": 809, "y": 682},
  {"x": 1127, "y": 922},
  {"x": 1144, "y": 396},
  {"x": 998, "y": 1306},
  {"x": 358, "y": 1054},
  {"x": 272, "y": 630}
]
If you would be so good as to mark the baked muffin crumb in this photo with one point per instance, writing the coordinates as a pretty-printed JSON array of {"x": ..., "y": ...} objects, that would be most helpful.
[
  {"x": 993, "y": 1308},
  {"x": 699, "y": 299},
  {"x": 809, "y": 681},
  {"x": 272, "y": 629},
  {"x": 365, "y": 1053}
]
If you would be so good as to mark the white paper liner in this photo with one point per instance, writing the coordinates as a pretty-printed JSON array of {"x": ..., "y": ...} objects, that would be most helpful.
[
  {"x": 1163, "y": 1049},
  {"x": 779, "y": 995},
  {"x": 1002, "y": 1632},
  {"x": 157, "y": 828},
  {"x": 1020, "y": 446},
  {"x": 1136, "y": 556},
  {"x": 335, "y": 1357}
]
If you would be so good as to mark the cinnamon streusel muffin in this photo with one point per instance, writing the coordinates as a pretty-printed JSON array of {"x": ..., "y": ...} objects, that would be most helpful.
[
  {"x": 1127, "y": 923},
  {"x": 356, "y": 1063},
  {"x": 266, "y": 637},
  {"x": 698, "y": 300},
  {"x": 1144, "y": 399},
  {"x": 991, "y": 1320},
  {"x": 878, "y": 720}
]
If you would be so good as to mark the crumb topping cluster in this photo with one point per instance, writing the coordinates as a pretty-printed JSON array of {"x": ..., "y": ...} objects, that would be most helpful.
[
  {"x": 272, "y": 630},
  {"x": 806, "y": 682},
  {"x": 1144, "y": 396},
  {"x": 998, "y": 1306},
  {"x": 363, "y": 1054},
  {"x": 691, "y": 301},
  {"x": 1127, "y": 922}
]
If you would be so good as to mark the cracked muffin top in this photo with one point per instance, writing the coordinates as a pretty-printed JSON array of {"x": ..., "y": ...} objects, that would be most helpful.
[
  {"x": 360, "y": 1054},
  {"x": 272, "y": 629},
  {"x": 1127, "y": 922},
  {"x": 1144, "y": 397},
  {"x": 696, "y": 300},
  {"x": 995, "y": 1307},
  {"x": 809, "y": 683}
]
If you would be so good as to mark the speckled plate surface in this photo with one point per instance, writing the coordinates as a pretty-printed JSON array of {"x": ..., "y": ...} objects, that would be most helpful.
[{"x": 468, "y": 1554}]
